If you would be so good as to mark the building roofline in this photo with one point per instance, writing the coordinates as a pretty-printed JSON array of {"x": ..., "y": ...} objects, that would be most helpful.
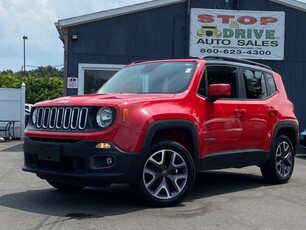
[
  {"x": 296, "y": 4},
  {"x": 78, "y": 20},
  {"x": 114, "y": 12}
]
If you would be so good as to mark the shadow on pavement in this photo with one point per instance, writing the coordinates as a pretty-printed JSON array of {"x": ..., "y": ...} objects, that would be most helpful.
[
  {"x": 119, "y": 199},
  {"x": 14, "y": 148},
  {"x": 212, "y": 183},
  {"x": 301, "y": 156}
]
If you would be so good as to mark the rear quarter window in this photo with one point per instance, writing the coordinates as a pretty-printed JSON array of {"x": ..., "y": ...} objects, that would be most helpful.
[
  {"x": 255, "y": 84},
  {"x": 271, "y": 83}
]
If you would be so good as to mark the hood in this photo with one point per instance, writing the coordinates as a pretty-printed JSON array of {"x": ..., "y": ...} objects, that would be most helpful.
[{"x": 103, "y": 99}]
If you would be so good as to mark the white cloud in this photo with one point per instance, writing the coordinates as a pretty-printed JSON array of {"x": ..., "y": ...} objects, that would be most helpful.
[{"x": 35, "y": 19}]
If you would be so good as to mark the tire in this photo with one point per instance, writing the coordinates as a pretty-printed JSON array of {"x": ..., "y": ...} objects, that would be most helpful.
[
  {"x": 167, "y": 174},
  {"x": 279, "y": 168},
  {"x": 65, "y": 187}
]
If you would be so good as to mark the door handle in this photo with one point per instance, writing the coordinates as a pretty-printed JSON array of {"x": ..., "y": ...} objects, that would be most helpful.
[{"x": 239, "y": 112}]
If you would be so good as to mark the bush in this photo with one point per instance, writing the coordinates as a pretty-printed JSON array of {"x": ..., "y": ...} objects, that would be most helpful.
[{"x": 37, "y": 88}]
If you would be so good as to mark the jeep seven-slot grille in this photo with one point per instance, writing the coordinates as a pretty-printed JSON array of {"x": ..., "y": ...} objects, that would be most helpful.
[{"x": 62, "y": 118}]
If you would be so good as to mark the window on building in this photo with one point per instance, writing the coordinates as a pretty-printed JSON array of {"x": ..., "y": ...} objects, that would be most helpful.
[
  {"x": 94, "y": 79},
  {"x": 93, "y": 76}
]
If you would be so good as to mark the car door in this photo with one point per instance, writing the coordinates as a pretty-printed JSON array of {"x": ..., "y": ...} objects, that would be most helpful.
[
  {"x": 260, "y": 111},
  {"x": 222, "y": 127}
]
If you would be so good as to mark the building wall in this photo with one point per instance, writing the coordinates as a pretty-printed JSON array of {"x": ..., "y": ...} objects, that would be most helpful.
[
  {"x": 163, "y": 33},
  {"x": 152, "y": 34}
]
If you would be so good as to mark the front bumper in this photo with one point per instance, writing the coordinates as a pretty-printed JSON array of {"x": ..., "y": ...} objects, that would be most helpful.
[{"x": 80, "y": 162}]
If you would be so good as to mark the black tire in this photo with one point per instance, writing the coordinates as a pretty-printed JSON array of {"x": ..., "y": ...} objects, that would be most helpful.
[
  {"x": 167, "y": 174},
  {"x": 279, "y": 168},
  {"x": 65, "y": 187}
]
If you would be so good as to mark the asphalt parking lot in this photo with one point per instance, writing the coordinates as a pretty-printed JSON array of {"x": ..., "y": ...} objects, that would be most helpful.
[{"x": 225, "y": 199}]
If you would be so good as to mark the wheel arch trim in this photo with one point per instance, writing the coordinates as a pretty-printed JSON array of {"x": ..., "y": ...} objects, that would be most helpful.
[
  {"x": 173, "y": 123},
  {"x": 287, "y": 125}
]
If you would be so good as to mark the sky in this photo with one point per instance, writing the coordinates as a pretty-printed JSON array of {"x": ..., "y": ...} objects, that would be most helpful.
[{"x": 35, "y": 19}]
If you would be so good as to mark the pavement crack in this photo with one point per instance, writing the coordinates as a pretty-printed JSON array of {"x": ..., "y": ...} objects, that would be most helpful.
[{"x": 50, "y": 223}]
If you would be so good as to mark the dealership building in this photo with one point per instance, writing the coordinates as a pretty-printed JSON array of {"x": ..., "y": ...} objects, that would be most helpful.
[{"x": 272, "y": 32}]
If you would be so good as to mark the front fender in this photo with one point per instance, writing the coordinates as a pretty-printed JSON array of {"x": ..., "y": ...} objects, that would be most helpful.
[{"x": 170, "y": 124}]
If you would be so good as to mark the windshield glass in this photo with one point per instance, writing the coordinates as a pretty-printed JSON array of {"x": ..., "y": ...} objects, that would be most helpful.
[{"x": 157, "y": 77}]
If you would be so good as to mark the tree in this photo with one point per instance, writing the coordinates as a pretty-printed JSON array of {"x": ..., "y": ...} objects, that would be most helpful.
[{"x": 43, "y": 71}]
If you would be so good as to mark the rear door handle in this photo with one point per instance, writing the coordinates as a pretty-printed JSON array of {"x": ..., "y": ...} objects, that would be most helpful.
[
  {"x": 239, "y": 112},
  {"x": 272, "y": 111}
]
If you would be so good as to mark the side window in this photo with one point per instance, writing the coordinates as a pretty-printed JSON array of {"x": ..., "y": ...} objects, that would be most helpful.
[
  {"x": 202, "y": 86},
  {"x": 223, "y": 74},
  {"x": 255, "y": 84},
  {"x": 271, "y": 83}
]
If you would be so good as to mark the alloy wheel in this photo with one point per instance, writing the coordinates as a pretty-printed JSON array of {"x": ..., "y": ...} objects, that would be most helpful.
[
  {"x": 165, "y": 174},
  {"x": 283, "y": 159}
]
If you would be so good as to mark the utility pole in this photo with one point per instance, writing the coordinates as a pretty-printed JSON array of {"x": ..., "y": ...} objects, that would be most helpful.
[{"x": 24, "y": 58}]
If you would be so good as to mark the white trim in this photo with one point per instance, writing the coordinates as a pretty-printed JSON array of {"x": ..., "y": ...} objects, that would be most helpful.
[
  {"x": 62, "y": 23},
  {"x": 292, "y": 3},
  {"x": 115, "y": 12},
  {"x": 85, "y": 66}
]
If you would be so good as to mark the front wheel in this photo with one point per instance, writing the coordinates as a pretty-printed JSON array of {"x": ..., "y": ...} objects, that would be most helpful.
[
  {"x": 167, "y": 174},
  {"x": 279, "y": 168}
]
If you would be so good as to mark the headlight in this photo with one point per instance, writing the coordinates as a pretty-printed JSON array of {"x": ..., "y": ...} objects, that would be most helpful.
[
  {"x": 34, "y": 116},
  {"x": 104, "y": 117}
]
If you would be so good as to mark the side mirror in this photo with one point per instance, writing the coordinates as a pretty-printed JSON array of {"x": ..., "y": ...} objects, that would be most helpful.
[{"x": 216, "y": 91}]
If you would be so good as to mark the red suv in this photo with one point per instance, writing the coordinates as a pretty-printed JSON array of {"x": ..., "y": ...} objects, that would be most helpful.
[{"x": 155, "y": 124}]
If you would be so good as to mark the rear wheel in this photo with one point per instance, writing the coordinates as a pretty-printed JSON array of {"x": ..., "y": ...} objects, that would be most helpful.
[
  {"x": 167, "y": 174},
  {"x": 279, "y": 167},
  {"x": 65, "y": 187}
]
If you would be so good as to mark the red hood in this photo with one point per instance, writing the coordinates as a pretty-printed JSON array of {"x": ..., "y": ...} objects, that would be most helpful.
[{"x": 103, "y": 99}]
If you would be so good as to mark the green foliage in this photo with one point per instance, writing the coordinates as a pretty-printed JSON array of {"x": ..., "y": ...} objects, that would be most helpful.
[
  {"x": 43, "y": 71},
  {"x": 44, "y": 83},
  {"x": 8, "y": 80}
]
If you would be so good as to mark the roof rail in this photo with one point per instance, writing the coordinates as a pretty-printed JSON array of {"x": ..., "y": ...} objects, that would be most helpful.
[
  {"x": 138, "y": 61},
  {"x": 236, "y": 60}
]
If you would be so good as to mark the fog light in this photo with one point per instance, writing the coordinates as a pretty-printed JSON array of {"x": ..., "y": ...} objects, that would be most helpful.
[
  {"x": 100, "y": 162},
  {"x": 103, "y": 145},
  {"x": 109, "y": 161}
]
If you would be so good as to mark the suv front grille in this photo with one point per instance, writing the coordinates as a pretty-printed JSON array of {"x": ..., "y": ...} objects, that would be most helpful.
[{"x": 62, "y": 118}]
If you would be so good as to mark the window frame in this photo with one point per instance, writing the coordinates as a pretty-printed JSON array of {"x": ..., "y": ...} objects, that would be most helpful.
[
  {"x": 239, "y": 95},
  {"x": 89, "y": 66},
  {"x": 268, "y": 89}
]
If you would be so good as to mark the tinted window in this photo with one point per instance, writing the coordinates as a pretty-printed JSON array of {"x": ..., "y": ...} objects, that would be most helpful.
[
  {"x": 255, "y": 84},
  {"x": 271, "y": 83},
  {"x": 202, "y": 86},
  {"x": 223, "y": 74}
]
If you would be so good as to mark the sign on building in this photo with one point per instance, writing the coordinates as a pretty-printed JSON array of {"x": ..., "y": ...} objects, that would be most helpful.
[
  {"x": 231, "y": 33},
  {"x": 72, "y": 83}
]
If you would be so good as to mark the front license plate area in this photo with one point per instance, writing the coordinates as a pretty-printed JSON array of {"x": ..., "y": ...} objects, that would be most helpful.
[{"x": 50, "y": 153}]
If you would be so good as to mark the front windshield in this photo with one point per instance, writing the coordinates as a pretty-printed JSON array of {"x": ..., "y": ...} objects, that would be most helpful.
[{"x": 157, "y": 77}]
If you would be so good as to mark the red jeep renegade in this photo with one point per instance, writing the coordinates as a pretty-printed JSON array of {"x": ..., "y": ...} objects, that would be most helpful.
[{"x": 155, "y": 124}]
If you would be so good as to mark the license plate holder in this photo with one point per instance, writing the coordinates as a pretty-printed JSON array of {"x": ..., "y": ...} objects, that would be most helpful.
[{"x": 50, "y": 152}]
